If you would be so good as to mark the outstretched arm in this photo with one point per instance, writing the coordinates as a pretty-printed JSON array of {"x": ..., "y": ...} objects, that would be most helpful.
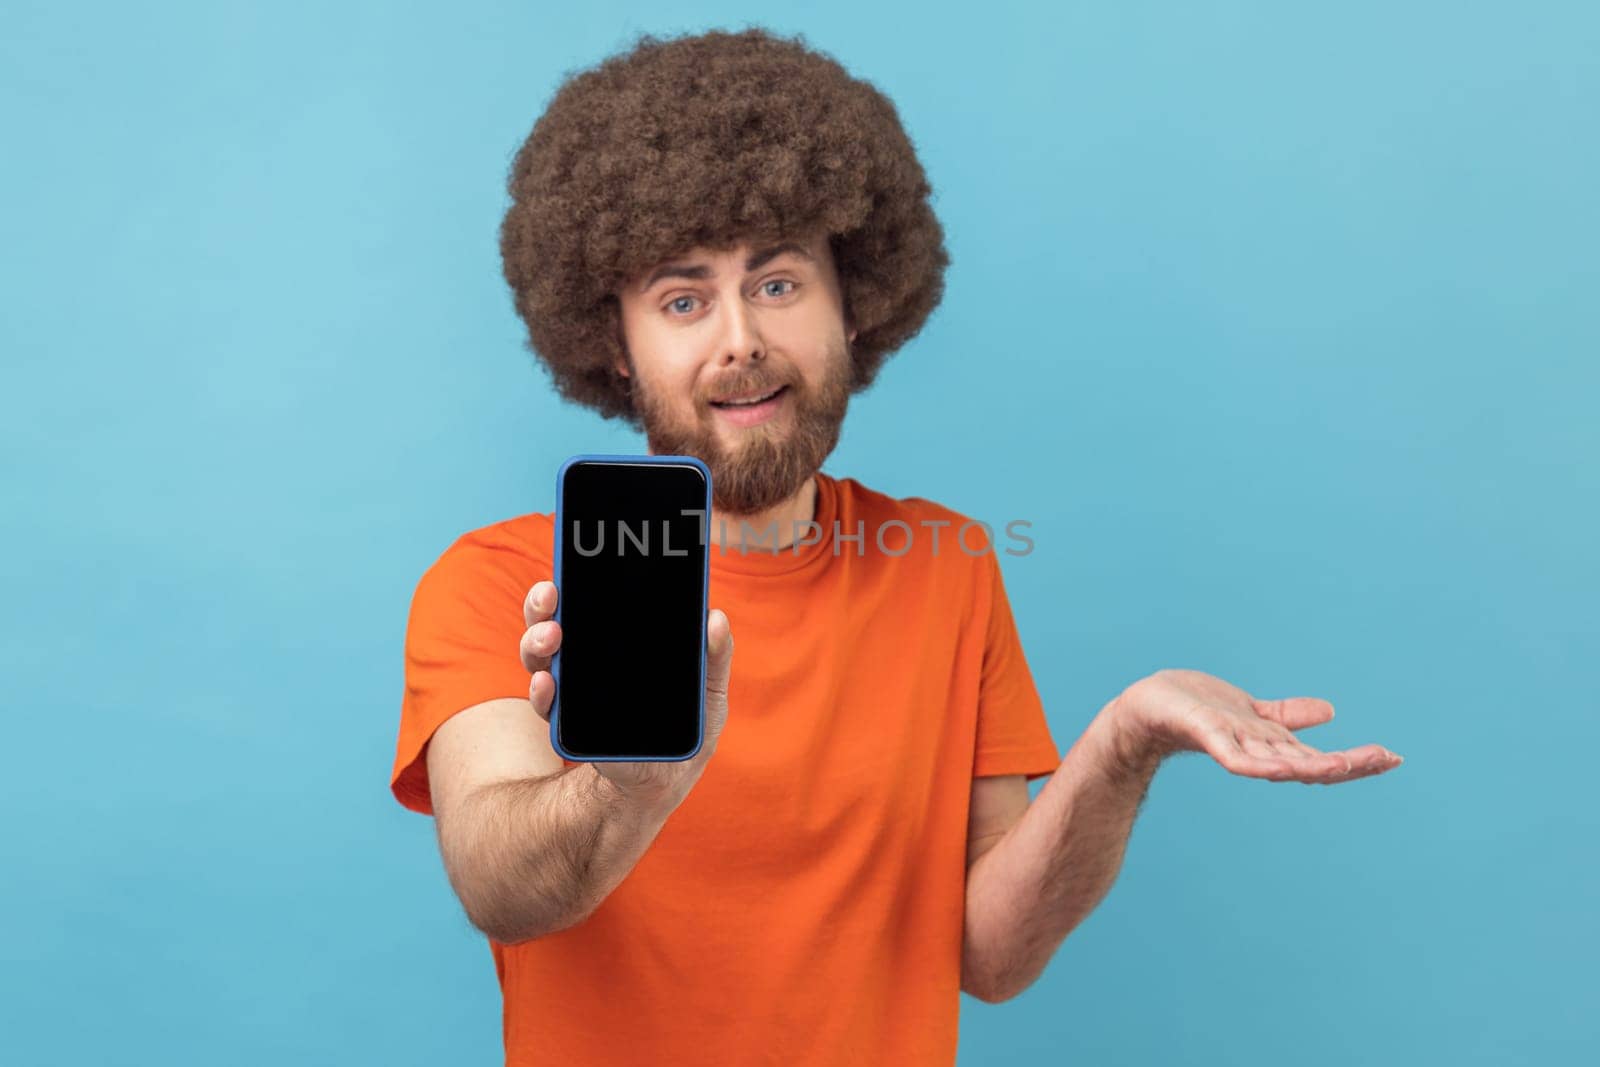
[{"x": 1058, "y": 861}]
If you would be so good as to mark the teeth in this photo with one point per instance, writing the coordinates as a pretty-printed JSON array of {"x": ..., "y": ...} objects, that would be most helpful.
[{"x": 747, "y": 403}]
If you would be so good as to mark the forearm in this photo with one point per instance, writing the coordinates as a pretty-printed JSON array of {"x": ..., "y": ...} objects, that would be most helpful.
[
  {"x": 535, "y": 856},
  {"x": 1050, "y": 870}
]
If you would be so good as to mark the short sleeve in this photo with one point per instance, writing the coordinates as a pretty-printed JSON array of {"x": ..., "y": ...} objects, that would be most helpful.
[
  {"x": 1013, "y": 734},
  {"x": 461, "y": 649}
]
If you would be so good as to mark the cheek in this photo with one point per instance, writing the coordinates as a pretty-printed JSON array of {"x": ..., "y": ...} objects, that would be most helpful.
[
  {"x": 809, "y": 345},
  {"x": 666, "y": 361},
  {"x": 675, "y": 384},
  {"x": 814, "y": 327}
]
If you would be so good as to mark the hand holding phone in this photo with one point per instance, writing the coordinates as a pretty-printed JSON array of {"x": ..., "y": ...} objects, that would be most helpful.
[
  {"x": 657, "y": 781},
  {"x": 630, "y": 645}
]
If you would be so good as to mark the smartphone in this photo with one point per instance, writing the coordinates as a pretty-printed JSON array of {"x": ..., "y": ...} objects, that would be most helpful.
[{"x": 632, "y": 570}]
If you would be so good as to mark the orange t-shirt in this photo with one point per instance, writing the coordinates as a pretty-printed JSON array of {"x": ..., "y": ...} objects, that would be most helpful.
[{"x": 804, "y": 904}]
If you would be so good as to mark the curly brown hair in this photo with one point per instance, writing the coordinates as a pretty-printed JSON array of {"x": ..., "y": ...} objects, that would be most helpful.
[{"x": 703, "y": 142}]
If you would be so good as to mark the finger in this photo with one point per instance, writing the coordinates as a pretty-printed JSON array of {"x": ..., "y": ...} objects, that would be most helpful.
[
  {"x": 719, "y": 667},
  {"x": 1300, "y": 748},
  {"x": 1364, "y": 762},
  {"x": 1228, "y": 749},
  {"x": 1312, "y": 767},
  {"x": 1257, "y": 744},
  {"x": 1296, "y": 713},
  {"x": 539, "y": 642},
  {"x": 1286, "y": 744},
  {"x": 1330, "y": 768},
  {"x": 1286, "y": 741},
  {"x": 1301, "y": 761},
  {"x": 1301, "y": 768},
  {"x": 1286, "y": 749},
  {"x": 1318, "y": 767},
  {"x": 719, "y": 646},
  {"x": 1260, "y": 755},
  {"x": 541, "y": 693},
  {"x": 539, "y": 604}
]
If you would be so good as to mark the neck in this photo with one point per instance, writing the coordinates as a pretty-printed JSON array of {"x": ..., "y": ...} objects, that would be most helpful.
[{"x": 773, "y": 527}]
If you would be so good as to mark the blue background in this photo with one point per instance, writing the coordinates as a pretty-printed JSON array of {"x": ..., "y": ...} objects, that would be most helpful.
[{"x": 1278, "y": 322}]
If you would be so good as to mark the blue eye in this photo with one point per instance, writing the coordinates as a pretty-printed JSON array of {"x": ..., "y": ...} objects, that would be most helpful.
[
  {"x": 778, "y": 281},
  {"x": 679, "y": 300}
]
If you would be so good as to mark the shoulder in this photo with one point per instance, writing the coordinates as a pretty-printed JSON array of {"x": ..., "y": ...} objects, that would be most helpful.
[
  {"x": 528, "y": 536},
  {"x": 508, "y": 554}
]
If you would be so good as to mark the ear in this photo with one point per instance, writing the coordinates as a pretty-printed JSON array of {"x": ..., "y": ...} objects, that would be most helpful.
[{"x": 619, "y": 338}]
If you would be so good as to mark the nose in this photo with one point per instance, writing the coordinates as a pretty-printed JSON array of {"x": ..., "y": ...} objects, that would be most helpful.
[{"x": 742, "y": 335}]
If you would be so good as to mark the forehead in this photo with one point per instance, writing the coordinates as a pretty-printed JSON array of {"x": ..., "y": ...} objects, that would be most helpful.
[{"x": 743, "y": 257}]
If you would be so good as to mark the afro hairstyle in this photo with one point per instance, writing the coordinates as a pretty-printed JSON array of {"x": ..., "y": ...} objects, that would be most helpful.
[{"x": 705, "y": 141}]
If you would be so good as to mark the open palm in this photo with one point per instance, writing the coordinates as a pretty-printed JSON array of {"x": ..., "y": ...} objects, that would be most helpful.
[{"x": 1183, "y": 710}]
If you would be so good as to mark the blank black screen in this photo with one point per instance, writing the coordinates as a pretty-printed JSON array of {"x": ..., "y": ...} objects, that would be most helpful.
[{"x": 632, "y": 609}]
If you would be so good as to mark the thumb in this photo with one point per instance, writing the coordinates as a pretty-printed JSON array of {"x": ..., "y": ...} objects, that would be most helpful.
[
  {"x": 719, "y": 634},
  {"x": 719, "y": 665}
]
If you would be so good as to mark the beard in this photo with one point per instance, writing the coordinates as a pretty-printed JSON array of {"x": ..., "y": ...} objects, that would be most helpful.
[{"x": 770, "y": 462}]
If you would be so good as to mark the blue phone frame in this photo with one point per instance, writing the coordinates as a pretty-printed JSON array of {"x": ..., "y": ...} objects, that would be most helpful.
[{"x": 705, "y": 592}]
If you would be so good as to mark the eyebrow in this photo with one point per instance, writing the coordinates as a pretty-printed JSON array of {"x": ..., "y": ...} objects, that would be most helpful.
[{"x": 698, "y": 270}]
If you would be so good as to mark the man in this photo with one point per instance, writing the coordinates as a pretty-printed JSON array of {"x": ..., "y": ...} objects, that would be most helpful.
[{"x": 720, "y": 238}]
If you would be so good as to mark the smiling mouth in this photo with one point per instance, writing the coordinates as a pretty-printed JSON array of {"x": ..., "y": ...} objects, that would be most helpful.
[{"x": 752, "y": 401}]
